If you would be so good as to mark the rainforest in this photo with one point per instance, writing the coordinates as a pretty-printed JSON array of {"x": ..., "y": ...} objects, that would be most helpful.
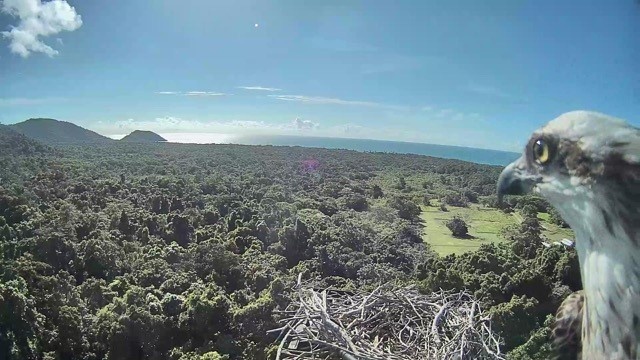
[{"x": 124, "y": 250}]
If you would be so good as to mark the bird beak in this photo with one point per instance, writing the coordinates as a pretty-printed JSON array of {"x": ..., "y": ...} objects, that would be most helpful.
[{"x": 514, "y": 180}]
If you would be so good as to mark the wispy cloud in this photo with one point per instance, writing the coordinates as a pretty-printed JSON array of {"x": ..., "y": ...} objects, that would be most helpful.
[
  {"x": 322, "y": 100},
  {"x": 21, "y": 101},
  {"x": 192, "y": 93},
  {"x": 334, "y": 101},
  {"x": 177, "y": 124},
  {"x": 435, "y": 130},
  {"x": 348, "y": 130},
  {"x": 439, "y": 115},
  {"x": 170, "y": 124},
  {"x": 37, "y": 20},
  {"x": 259, "y": 88},
  {"x": 204, "y": 93}
]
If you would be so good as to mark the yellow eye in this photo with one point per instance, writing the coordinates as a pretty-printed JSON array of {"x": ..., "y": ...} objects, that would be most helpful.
[{"x": 541, "y": 152}]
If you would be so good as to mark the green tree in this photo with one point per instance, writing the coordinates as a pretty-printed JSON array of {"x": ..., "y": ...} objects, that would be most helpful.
[
  {"x": 515, "y": 320},
  {"x": 102, "y": 258},
  {"x": 457, "y": 226},
  {"x": 19, "y": 322},
  {"x": 555, "y": 218},
  {"x": 407, "y": 209},
  {"x": 377, "y": 192}
]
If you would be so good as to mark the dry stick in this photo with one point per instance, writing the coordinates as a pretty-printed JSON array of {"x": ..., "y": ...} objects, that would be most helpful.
[
  {"x": 436, "y": 321},
  {"x": 279, "y": 353},
  {"x": 400, "y": 313}
]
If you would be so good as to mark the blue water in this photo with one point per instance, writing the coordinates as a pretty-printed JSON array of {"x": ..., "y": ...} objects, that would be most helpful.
[{"x": 481, "y": 156}]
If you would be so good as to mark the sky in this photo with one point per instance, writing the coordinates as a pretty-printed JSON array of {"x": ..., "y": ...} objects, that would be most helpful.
[{"x": 480, "y": 74}]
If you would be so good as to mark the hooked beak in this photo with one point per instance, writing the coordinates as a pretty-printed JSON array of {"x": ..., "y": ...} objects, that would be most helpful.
[{"x": 514, "y": 180}]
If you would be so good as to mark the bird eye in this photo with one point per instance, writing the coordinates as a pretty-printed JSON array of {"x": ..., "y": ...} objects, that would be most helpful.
[{"x": 541, "y": 152}]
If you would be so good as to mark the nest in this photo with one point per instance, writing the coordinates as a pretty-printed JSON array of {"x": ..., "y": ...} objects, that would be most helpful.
[{"x": 385, "y": 324}]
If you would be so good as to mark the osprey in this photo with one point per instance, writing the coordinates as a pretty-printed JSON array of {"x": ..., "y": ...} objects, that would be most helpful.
[{"x": 587, "y": 165}]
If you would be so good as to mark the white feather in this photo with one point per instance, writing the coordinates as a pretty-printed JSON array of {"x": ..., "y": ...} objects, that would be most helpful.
[
  {"x": 608, "y": 256},
  {"x": 595, "y": 131},
  {"x": 605, "y": 264}
]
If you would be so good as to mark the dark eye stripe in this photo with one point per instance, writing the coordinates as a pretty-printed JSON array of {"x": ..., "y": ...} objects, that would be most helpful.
[{"x": 617, "y": 144}]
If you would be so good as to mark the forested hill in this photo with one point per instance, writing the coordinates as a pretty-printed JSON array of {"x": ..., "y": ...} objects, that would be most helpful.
[
  {"x": 174, "y": 251},
  {"x": 50, "y": 131},
  {"x": 143, "y": 136},
  {"x": 13, "y": 143}
]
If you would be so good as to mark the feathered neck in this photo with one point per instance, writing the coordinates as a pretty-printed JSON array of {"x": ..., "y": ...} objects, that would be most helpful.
[{"x": 611, "y": 281}]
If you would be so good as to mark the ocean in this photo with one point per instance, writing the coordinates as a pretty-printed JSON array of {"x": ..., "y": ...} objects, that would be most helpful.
[{"x": 481, "y": 156}]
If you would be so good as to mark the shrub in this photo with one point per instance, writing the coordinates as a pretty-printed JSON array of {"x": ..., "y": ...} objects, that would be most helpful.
[
  {"x": 457, "y": 226},
  {"x": 407, "y": 209}
]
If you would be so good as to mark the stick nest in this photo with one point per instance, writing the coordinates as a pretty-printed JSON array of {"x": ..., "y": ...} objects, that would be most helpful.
[{"x": 385, "y": 324}]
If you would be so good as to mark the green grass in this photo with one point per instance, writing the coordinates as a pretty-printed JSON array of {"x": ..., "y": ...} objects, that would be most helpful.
[
  {"x": 484, "y": 226},
  {"x": 552, "y": 231}
]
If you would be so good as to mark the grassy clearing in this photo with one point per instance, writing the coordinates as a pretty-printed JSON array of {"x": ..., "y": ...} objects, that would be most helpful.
[
  {"x": 552, "y": 231},
  {"x": 484, "y": 226}
]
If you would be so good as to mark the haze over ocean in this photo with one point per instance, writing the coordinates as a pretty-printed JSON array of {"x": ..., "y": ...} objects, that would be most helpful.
[{"x": 481, "y": 156}]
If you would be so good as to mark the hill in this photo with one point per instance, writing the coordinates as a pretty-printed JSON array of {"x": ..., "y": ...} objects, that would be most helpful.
[
  {"x": 12, "y": 143},
  {"x": 54, "y": 131},
  {"x": 143, "y": 136}
]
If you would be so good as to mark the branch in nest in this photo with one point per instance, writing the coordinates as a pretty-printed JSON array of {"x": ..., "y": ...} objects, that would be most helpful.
[{"x": 388, "y": 323}]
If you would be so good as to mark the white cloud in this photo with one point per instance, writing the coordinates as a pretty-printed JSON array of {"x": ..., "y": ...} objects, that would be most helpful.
[
  {"x": 38, "y": 20},
  {"x": 443, "y": 131},
  {"x": 169, "y": 124},
  {"x": 322, "y": 100},
  {"x": 334, "y": 101},
  {"x": 259, "y": 88},
  {"x": 188, "y": 127},
  {"x": 437, "y": 116},
  {"x": 348, "y": 130},
  {"x": 203, "y": 93},
  {"x": 244, "y": 124},
  {"x": 445, "y": 113},
  {"x": 304, "y": 124},
  {"x": 192, "y": 93}
]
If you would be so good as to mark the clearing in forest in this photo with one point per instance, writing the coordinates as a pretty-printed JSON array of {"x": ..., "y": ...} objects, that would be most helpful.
[{"x": 484, "y": 226}]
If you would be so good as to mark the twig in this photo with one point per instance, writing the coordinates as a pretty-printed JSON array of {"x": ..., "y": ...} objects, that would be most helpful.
[{"x": 387, "y": 323}]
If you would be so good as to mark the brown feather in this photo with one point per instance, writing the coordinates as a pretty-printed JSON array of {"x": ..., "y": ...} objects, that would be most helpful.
[{"x": 568, "y": 326}]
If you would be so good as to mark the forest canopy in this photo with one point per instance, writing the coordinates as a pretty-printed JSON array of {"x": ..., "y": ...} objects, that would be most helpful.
[{"x": 169, "y": 251}]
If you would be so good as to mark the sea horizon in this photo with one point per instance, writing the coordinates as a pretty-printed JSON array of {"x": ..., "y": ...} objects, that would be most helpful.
[{"x": 464, "y": 153}]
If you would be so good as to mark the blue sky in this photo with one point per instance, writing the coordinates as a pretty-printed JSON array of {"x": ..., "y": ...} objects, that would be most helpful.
[{"x": 472, "y": 73}]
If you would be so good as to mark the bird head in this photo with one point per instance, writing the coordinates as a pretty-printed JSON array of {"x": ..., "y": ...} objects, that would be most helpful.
[{"x": 577, "y": 161}]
